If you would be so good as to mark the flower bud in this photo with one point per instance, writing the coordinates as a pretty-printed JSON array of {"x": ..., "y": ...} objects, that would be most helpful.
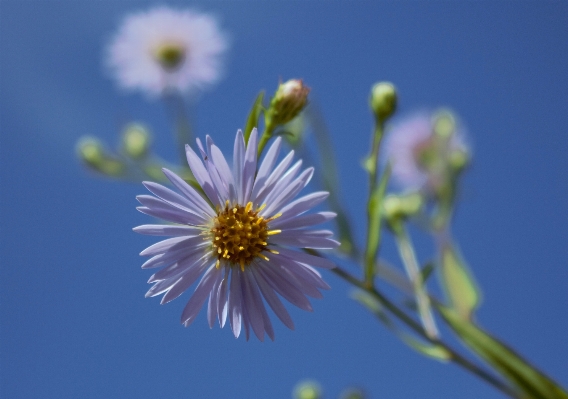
[
  {"x": 307, "y": 390},
  {"x": 290, "y": 98},
  {"x": 398, "y": 207},
  {"x": 444, "y": 124},
  {"x": 136, "y": 141},
  {"x": 383, "y": 100},
  {"x": 91, "y": 152},
  {"x": 458, "y": 160}
]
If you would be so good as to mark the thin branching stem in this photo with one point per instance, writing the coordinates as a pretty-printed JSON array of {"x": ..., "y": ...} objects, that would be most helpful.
[{"x": 418, "y": 329}]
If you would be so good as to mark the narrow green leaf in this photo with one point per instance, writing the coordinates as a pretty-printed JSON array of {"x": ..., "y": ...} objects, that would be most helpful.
[
  {"x": 437, "y": 352},
  {"x": 254, "y": 114},
  {"x": 374, "y": 211},
  {"x": 507, "y": 362},
  {"x": 458, "y": 282}
]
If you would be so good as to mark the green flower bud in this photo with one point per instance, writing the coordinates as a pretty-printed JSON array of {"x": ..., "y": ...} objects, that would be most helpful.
[
  {"x": 399, "y": 207},
  {"x": 444, "y": 124},
  {"x": 288, "y": 101},
  {"x": 136, "y": 141},
  {"x": 458, "y": 160},
  {"x": 92, "y": 153},
  {"x": 307, "y": 390},
  {"x": 383, "y": 100}
]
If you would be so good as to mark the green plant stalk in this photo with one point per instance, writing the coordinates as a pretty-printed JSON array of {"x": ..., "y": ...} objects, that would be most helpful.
[
  {"x": 183, "y": 132},
  {"x": 410, "y": 263},
  {"x": 266, "y": 136},
  {"x": 372, "y": 246},
  {"x": 419, "y": 330}
]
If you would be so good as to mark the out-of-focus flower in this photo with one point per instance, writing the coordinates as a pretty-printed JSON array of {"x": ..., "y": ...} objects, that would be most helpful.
[
  {"x": 165, "y": 49},
  {"x": 422, "y": 150},
  {"x": 239, "y": 238}
]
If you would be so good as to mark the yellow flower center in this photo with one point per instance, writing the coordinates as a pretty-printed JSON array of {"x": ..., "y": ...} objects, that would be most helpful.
[
  {"x": 239, "y": 234},
  {"x": 170, "y": 55}
]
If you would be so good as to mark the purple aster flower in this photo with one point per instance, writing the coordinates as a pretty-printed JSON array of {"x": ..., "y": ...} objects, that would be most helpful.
[
  {"x": 420, "y": 158},
  {"x": 164, "y": 49},
  {"x": 241, "y": 240}
]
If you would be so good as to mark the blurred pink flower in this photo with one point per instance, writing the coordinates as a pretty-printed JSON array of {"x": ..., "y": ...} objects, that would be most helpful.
[
  {"x": 165, "y": 49},
  {"x": 419, "y": 158}
]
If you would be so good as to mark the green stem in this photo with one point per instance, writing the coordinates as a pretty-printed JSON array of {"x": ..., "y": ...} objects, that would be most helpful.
[
  {"x": 410, "y": 263},
  {"x": 266, "y": 136},
  {"x": 183, "y": 132},
  {"x": 372, "y": 248},
  {"x": 417, "y": 328}
]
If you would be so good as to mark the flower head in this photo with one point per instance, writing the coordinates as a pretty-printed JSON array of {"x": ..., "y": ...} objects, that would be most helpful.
[
  {"x": 421, "y": 148},
  {"x": 165, "y": 49},
  {"x": 238, "y": 238}
]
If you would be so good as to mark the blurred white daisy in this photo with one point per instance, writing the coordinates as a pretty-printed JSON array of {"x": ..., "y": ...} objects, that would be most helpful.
[
  {"x": 165, "y": 49},
  {"x": 423, "y": 148}
]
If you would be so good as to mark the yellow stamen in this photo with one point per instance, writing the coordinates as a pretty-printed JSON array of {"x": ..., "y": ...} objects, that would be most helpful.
[
  {"x": 263, "y": 257},
  {"x": 272, "y": 232},
  {"x": 274, "y": 217}
]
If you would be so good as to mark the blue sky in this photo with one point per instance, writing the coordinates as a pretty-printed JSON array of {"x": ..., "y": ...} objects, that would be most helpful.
[{"x": 73, "y": 318}]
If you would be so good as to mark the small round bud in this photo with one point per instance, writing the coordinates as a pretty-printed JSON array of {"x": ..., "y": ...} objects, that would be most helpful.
[
  {"x": 288, "y": 101},
  {"x": 90, "y": 151},
  {"x": 397, "y": 207},
  {"x": 383, "y": 100},
  {"x": 136, "y": 141},
  {"x": 458, "y": 160},
  {"x": 444, "y": 124},
  {"x": 307, "y": 390}
]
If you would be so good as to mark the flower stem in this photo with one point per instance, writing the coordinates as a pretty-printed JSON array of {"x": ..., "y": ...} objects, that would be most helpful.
[
  {"x": 372, "y": 247},
  {"x": 408, "y": 256},
  {"x": 266, "y": 136},
  {"x": 417, "y": 328},
  {"x": 183, "y": 133}
]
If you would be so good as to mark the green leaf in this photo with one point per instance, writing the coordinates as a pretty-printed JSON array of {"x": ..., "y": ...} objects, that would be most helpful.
[
  {"x": 435, "y": 351},
  {"x": 518, "y": 371},
  {"x": 374, "y": 211},
  {"x": 252, "y": 120},
  {"x": 458, "y": 283}
]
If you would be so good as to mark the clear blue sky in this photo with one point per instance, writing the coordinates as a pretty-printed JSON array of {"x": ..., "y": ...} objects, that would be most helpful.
[{"x": 74, "y": 321}]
